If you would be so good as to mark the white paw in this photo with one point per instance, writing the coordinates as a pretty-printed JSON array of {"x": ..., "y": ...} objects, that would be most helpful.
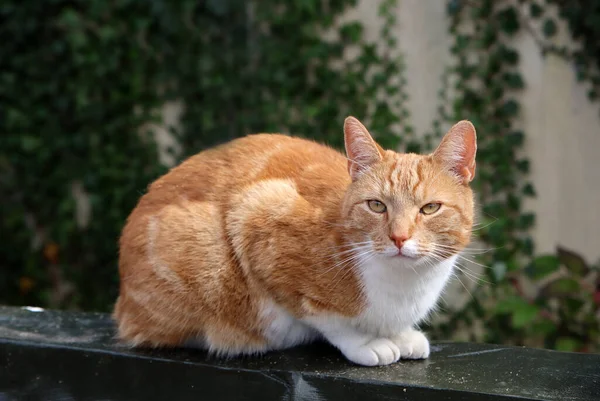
[
  {"x": 412, "y": 344},
  {"x": 380, "y": 351}
]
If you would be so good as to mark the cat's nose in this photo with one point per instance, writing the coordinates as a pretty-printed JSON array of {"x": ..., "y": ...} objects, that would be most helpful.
[{"x": 399, "y": 239}]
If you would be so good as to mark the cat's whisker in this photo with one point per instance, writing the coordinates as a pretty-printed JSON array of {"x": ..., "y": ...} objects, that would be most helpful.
[
  {"x": 473, "y": 262},
  {"x": 471, "y": 275},
  {"x": 463, "y": 284},
  {"x": 463, "y": 269},
  {"x": 345, "y": 261},
  {"x": 363, "y": 246},
  {"x": 477, "y": 228},
  {"x": 363, "y": 258},
  {"x": 465, "y": 250}
]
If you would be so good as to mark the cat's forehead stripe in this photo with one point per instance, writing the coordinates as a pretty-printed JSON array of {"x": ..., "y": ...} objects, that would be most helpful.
[
  {"x": 407, "y": 174},
  {"x": 393, "y": 176}
]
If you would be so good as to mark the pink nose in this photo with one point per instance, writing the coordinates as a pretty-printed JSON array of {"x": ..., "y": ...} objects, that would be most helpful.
[{"x": 399, "y": 239}]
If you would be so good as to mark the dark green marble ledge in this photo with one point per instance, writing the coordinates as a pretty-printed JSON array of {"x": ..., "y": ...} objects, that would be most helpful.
[{"x": 51, "y": 355}]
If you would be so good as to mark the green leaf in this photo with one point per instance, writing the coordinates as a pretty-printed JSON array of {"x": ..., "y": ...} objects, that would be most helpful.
[
  {"x": 509, "y": 21},
  {"x": 524, "y": 315},
  {"x": 516, "y": 138},
  {"x": 571, "y": 305},
  {"x": 561, "y": 287},
  {"x": 543, "y": 327},
  {"x": 510, "y": 304},
  {"x": 453, "y": 7},
  {"x": 30, "y": 143},
  {"x": 526, "y": 221},
  {"x": 528, "y": 246},
  {"x": 510, "y": 108},
  {"x": 572, "y": 261},
  {"x": 351, "y": 32},
  {"x": 535, "y": 10},
  {"x": 542, "y": 266},
  {"x": 567, "y": 344},
  {"x": 218, "y": 7},
  {"x": 549, "y": 28},
  {"x": 523, "y": 165},
  {"x": 509, "y": 55},
  {"x": 513, "y": 80},
  {"x": 528, "y": 190}
]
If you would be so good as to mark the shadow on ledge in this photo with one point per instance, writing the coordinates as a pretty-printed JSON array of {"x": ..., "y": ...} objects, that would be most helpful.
[{"x": 51, "y": 355}]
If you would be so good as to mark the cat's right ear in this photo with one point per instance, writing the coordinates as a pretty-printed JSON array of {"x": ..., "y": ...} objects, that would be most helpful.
[
  {"x": 457, "y": 151},
  {"x": 361, "y": 149}
]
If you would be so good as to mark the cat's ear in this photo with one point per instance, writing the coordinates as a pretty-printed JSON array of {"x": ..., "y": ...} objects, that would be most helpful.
[
  {"x": 361, "y": 149},
  {"x": 457, "y": 151}
]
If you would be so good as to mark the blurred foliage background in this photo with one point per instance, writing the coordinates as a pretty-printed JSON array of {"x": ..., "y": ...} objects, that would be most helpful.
[{"x": 82, "y": 81}]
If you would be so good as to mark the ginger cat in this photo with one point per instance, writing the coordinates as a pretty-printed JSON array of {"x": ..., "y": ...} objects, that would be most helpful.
[{"x": 271, "y": 241}]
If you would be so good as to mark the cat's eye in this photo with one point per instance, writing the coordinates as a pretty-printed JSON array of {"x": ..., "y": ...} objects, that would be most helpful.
[
  {"x": 431, "y": 208},
  {"x": 376, "y": 206}
]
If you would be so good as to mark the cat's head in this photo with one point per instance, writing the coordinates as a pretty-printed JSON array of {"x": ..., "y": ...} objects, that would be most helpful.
[{"x": 410, "y": 206}]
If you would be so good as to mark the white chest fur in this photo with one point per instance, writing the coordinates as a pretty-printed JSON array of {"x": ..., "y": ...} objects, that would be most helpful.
[{"x": 399, "y": 295}]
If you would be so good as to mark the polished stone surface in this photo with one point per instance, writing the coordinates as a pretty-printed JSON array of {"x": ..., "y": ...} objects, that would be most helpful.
[{"x": 50, "y": 355}]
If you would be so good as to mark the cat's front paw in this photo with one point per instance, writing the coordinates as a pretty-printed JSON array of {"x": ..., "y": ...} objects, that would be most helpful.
[
  {"x": 412, "y": 344},
  {"x": 377, "y": 352}
]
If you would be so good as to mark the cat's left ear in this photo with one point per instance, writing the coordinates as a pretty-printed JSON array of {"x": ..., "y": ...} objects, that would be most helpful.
[
  {"x": 457, "y": 151},
  {"x": 361, "y": 148}
]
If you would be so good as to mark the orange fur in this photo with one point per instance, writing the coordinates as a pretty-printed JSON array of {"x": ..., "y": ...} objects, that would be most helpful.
[{"x": 270, "y": 220}]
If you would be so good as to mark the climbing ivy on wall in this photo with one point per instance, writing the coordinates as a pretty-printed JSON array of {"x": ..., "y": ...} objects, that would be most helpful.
[
  {"x": 562, "y": 310},
  {"x": 79, "y": 80}
]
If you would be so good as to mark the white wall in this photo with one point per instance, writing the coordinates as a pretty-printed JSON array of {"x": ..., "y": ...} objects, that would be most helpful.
[{"x": 562, "y": 127}]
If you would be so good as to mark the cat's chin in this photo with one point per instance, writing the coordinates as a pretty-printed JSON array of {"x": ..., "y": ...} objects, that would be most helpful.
[
  {"x": 403, "y": 258},
  {"x": 406, "y": 257}
]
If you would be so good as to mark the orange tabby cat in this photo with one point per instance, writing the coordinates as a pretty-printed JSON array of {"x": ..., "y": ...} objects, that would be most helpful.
[{"x": 270, "y": 241}]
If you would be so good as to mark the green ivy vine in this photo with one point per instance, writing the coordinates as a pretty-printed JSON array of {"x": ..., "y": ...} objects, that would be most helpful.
[
  {"x": 79, "y": 79},
  {"x": 487, "y": 81}
]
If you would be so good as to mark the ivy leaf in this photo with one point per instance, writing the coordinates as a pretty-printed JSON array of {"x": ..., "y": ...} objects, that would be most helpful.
[
  {"x": 526, "y": 221},
  {"x": 572, "y": 305},
  {"x": 522, "y": 312},
  {"x": 542, "y": 266},
  {"x": 513, "y": 80},
  {"x": 510, "y": 304},
  {"x": 528, "y": 190},
  {"x": 523, "y": 165},
  {"x": 454, "y": 7},
  {"x": 509, "y": 21},
  {"x": 549, "y": 28},
  {"x": 567, "y": 344},
  {"x": 510, "y": 108},
  {"x": 30, "y": 143},
  {"x": 352, "y": 32},
  {"x": 560, "y": 288},
  {"x": 528, "y": 246},
  {"x": 573, "y": 262},
  {"x": 544, "y": 327},
  {"x": 510, "y": 56},
  {"x": 524, "y": 315},
  {"x": 516, "y": 138},
  {"x": 218, "y": 7},
  {"x": 535, "y": 10}
]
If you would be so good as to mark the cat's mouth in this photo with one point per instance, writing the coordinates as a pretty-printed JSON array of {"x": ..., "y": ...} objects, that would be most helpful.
[
  {"x": 406, "y": 255},
  {"x": 399, "y": 254},
  {"x": 402, "y": 256}
]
